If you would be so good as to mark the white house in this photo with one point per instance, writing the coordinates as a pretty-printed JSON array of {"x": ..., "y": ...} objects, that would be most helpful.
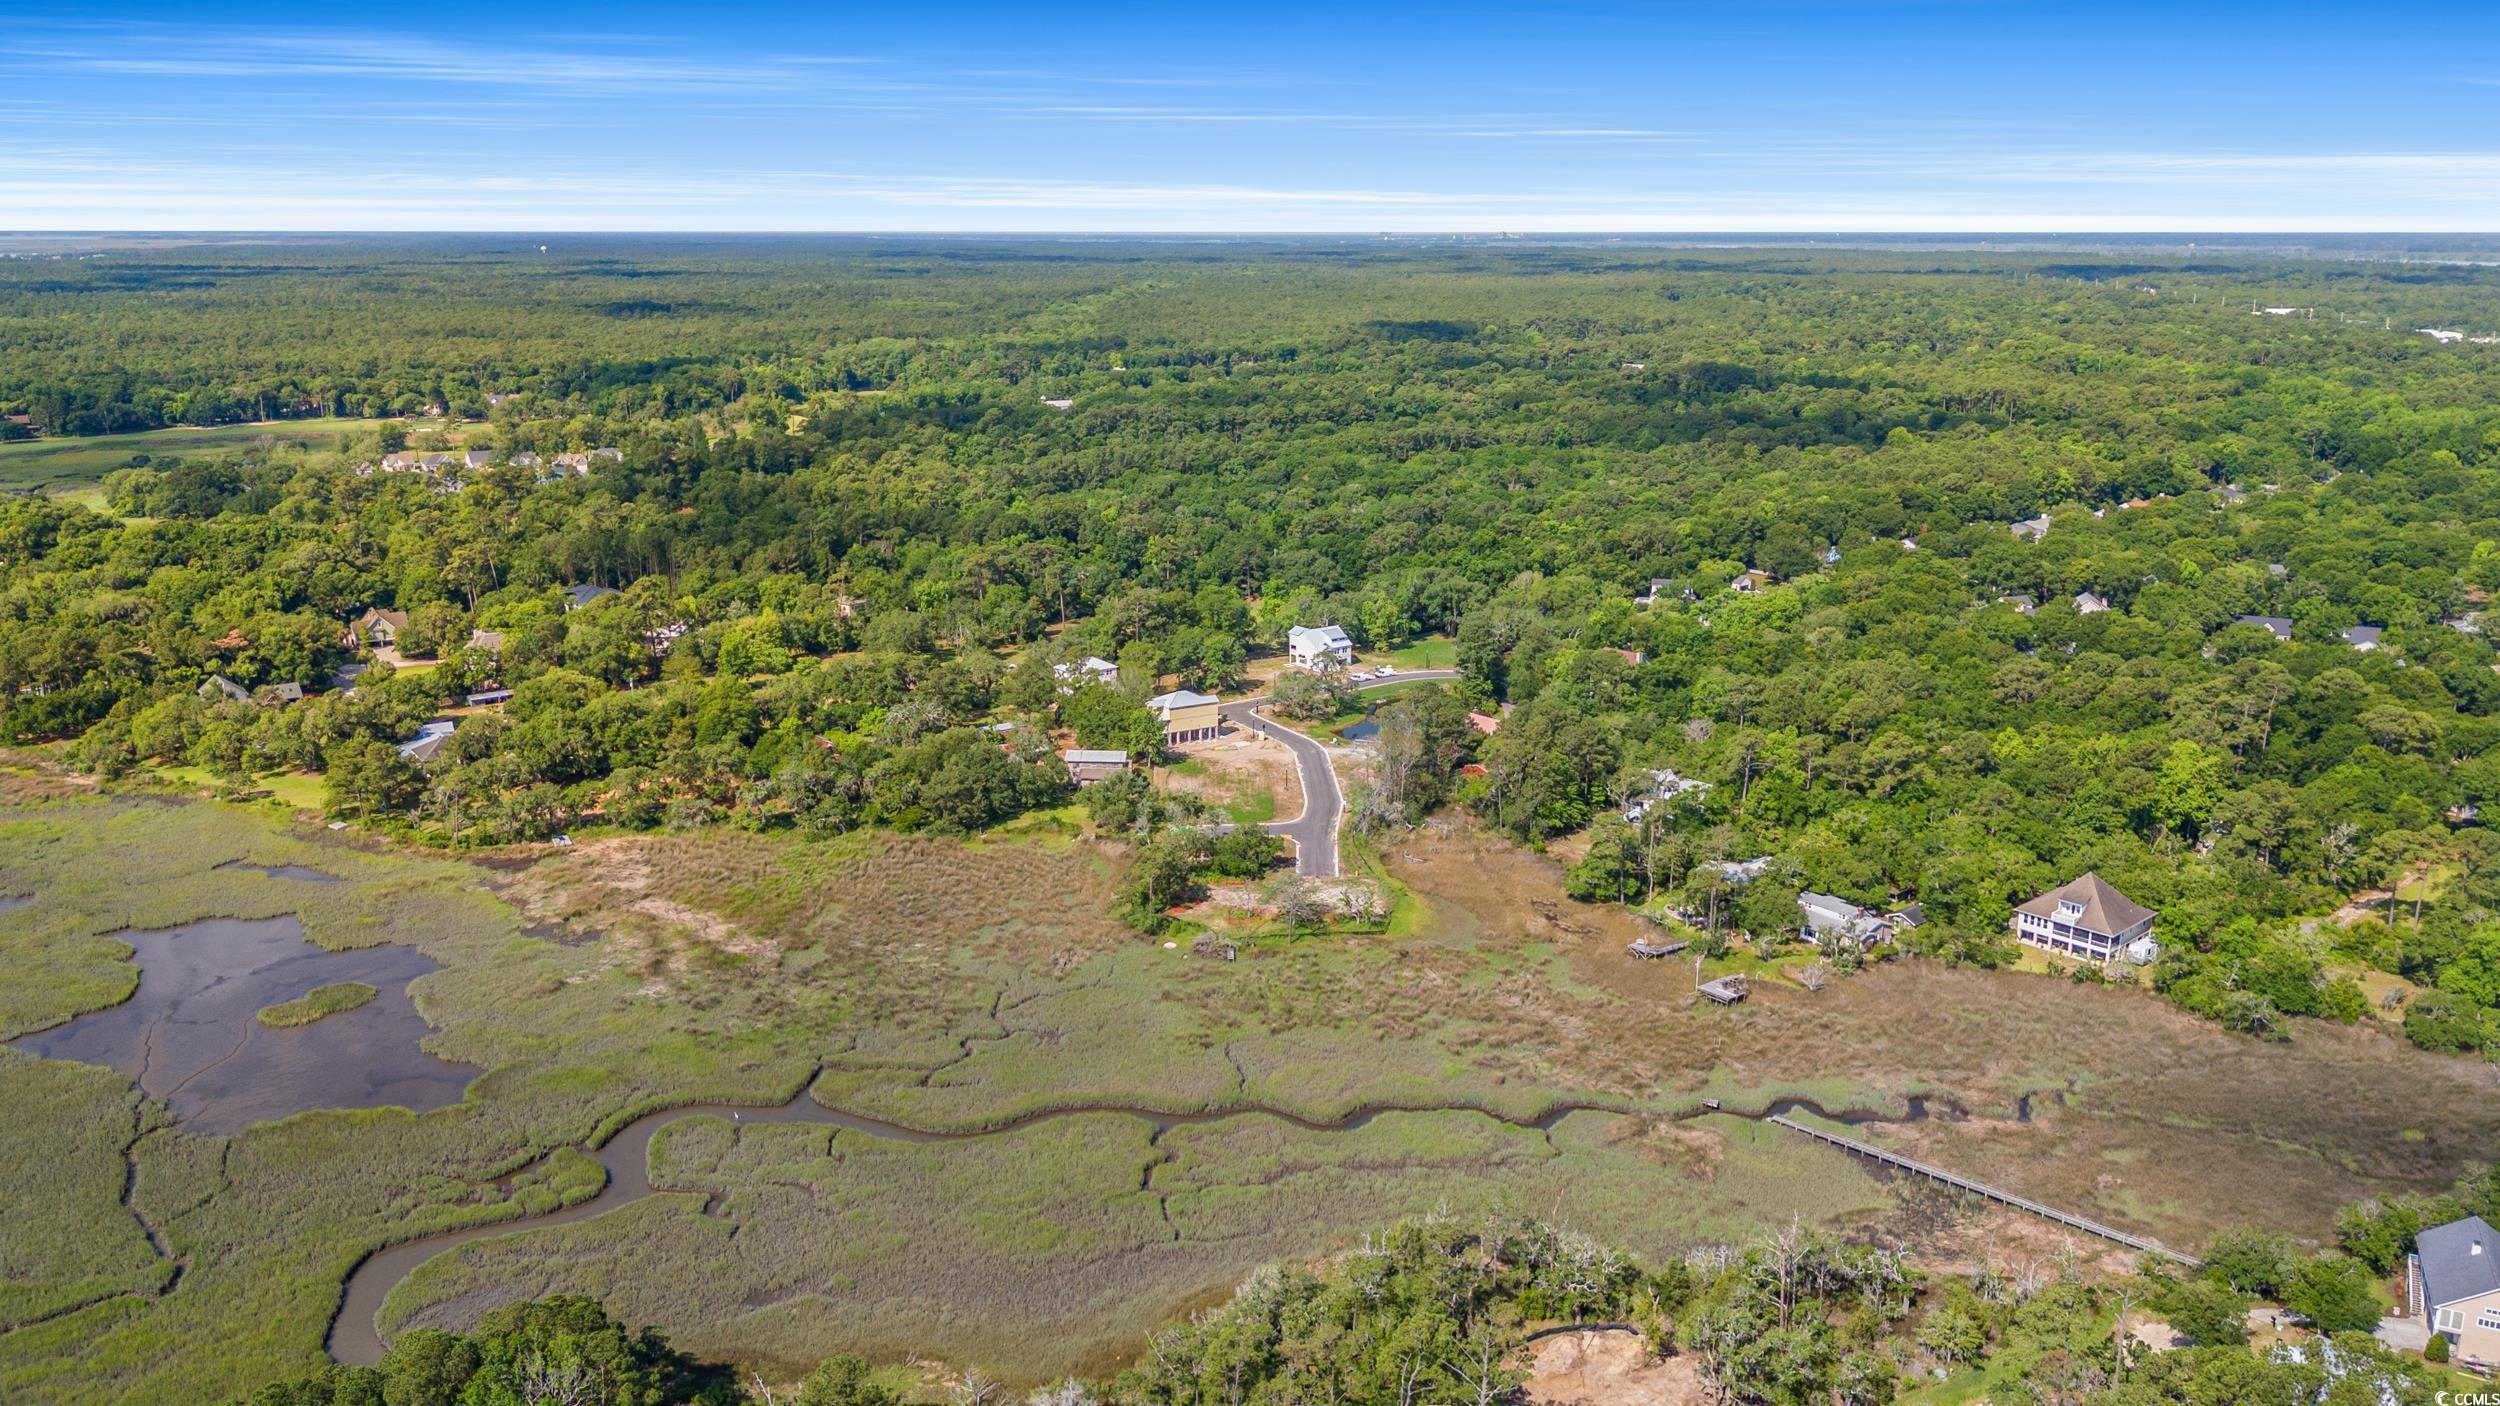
[
  {"x": 2088, "y": 918},
  {"x": 1092, "y": 669},
  {"x": 1318, "y": 646},
  {"x": 2090, "y": 602},
  {"x": 1829, "y": 919},
  {"x": 1665, "y": 787}
]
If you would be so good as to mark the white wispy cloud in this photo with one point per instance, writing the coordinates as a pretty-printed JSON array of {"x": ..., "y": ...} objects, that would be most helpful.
[{"x": 162, "y": 51}]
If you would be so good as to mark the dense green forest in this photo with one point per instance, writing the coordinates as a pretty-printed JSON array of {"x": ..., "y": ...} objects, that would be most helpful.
[{"x": 849, "y": 533}]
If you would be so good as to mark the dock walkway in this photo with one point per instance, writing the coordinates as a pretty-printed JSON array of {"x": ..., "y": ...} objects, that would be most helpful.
[{"x": 1978, "y": 1188}]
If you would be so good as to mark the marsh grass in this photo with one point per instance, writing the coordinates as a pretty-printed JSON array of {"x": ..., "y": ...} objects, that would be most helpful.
[
  {"x": 955, "y": 985},
  {"x": 332, "y": 999}
]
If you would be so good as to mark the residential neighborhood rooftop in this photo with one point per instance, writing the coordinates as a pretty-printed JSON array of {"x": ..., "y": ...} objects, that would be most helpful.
[{"x": 2459, "y": 1260}]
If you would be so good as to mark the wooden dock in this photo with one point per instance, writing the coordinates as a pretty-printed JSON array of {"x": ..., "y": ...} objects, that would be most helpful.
[{"x": 2002, "y": 1197}]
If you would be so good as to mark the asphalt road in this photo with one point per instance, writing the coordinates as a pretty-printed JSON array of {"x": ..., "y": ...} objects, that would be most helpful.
[{"x": 1314, "y": 831}]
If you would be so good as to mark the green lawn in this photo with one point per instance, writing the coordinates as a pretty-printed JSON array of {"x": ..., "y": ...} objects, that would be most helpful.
[
  {"x": 1435, "y": 652},
  {"x": 296, "y": 790},
  {"x": 54, "y": 464}
]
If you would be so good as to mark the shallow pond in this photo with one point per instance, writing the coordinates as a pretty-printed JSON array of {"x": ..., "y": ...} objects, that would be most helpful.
[{"x": 191, "y": 1035}]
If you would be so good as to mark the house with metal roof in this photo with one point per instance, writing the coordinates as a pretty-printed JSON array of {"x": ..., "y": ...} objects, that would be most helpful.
[
  {"x": 1186, "y": 716},
  {"x": 1833, "y": 921},
  {"x": 1087, "y": 765},
  {"x": 1093, "y": 668},
  {"x": 428, "y": 741},
  {"x": 1318, "y": 646},
  {"x": 2453, "y": 1278},
  {"x": 2280, "y": 626},
  {"x": 2088, "y": 918}
]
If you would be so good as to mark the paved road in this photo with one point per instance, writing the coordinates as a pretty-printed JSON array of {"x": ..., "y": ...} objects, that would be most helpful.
[{"x": 1314, "y": 831}]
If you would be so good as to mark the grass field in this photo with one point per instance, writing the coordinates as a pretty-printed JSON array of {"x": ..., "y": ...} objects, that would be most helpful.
[
  {"x": 55, "y": 464},
  {"x": 290, "y": 789},
  {"x": 957, "y": 985}
]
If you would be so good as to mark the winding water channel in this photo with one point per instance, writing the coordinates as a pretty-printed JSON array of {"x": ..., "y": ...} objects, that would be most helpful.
[{"x": 355, "y": 1340}]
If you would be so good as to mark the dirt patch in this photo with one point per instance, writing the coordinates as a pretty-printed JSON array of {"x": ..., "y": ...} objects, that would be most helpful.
[
  {"x": 1610, "y": 1367},
  {"x": 1239, "y": 767}
]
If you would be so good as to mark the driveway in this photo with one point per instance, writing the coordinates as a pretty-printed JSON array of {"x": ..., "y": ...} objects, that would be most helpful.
[{"x": 1314, "y": 831}]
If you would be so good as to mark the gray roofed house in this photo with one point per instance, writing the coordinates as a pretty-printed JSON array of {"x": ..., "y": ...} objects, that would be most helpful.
[
  {"x": 2454, "y": 1274},
  {"x": 2032, "y": 529},
  {"x": 2087, "y": 918},
  {"x": 428, "y": 741},
  {"x": 279, "y": 694},
  {"x": 2090, "y": 602},
  {"x": 1737, "y": 872},
  {"x": 486, "y": 641},
  {"x": 575, "y": 597},
  {"x": 2024, "y": 602},
  {"x": 2280, "y": 626},
  {"x": 217, "y": 685},
  {"x": 1087, "y": 765},
  {"x": 1829, "y": 919},
  {"x": 1316, "y": 646},
  {"x": 477, "y": 458},
  {"x": 2364, "y": 637}
]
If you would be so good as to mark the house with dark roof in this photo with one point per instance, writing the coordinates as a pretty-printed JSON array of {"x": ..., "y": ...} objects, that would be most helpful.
[
  {"x": 2280, "y": 626},
  {"x": 2364, "y": 637},
  {"x": 217, "y": 686},
  {"x": 2453, "y": 1279},
  {"x": 575, "y": 597},
  {"x": 278, "y": 695},
  {"x": 2090, "y": 919}
]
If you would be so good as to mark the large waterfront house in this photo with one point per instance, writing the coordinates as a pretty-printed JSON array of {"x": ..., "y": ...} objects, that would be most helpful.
[{"x": 2087, "y": 918}]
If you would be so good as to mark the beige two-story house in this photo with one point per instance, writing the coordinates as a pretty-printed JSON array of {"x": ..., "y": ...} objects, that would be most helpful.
[
  {"x": 1187, "y": 716},
  {"x": 2455, "y": 1273}
]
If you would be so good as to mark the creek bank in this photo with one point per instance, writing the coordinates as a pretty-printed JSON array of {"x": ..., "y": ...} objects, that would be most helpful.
[{"x": 355, "y": 1339}]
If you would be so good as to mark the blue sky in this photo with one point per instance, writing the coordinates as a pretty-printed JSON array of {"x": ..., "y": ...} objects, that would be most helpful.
[{"x": 1526, "y": 116}]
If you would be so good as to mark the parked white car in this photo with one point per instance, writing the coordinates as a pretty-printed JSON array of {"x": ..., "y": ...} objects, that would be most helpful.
[
  {"x": 1388, "y": 670},
  {"x": 1363, "y": 678}
]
